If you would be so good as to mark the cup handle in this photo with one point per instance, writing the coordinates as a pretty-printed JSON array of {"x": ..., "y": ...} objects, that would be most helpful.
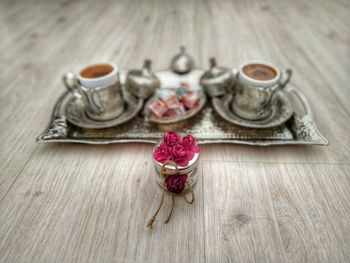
[
  {"x": 72, "y": 84},
  {"x": 285, "y": 77},
  {"x": 70, "y": 81},
  {"x": 235, "y": 73}
]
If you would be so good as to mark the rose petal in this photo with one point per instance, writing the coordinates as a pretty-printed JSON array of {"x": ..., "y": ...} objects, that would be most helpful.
[
  {"x": 171, "y": 138},
  {"x": 176, "y": 183}
]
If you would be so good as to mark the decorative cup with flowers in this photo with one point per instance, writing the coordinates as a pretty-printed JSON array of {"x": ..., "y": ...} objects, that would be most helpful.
[
  {"x": 176, "y": 160},
  {"x": 178, "y": 157}
]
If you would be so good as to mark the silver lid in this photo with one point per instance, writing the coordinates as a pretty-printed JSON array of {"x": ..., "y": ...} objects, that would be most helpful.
[
  {"x": 217, "y": 80},
  {"x": 142, "y": 82},
  {"x": 182, "y": 63}
]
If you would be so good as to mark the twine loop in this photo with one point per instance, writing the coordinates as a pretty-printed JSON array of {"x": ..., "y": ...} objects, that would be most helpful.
[{"x": 166, "y": 172}]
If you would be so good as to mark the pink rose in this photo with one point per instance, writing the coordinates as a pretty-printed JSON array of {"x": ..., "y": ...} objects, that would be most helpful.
[
  {"x": 171, "y": 138},
  {"x": 180, "y": 155},
  {"x": 162, "y": 153},
  {"x": 189, "y": 143},
  {"x": 175, "y": 149},
  {"x": 176, "y": 183}
]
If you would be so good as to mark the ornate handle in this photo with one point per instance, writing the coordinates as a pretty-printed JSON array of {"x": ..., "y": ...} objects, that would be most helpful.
[
  {"x": 70, "y": 81},
  {"x": 72, "y": 84},
  {"x": 285, "y": 77},
  {"x": 235, "y": 73}
]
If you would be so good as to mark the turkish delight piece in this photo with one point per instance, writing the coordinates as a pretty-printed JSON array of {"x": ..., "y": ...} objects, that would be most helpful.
[
  {"x": 171, "y": 101},
  {"x": 172, "y": 113},
  {"x": 180, "y": 111},
  {"x": 190, "y": 99},
  {"x": 185, "y": 85},
  {"x": 158, "y": 107}
]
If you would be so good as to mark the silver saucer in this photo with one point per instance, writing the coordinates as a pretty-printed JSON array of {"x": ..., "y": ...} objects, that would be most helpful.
[
  {"x": 282, "y": 110},
  {"x": 75, "y": 112}
]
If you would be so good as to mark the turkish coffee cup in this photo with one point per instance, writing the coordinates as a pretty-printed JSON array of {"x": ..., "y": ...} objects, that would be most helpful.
[
  {"x": 98, "y": 86},
  {"x": 257, "y": 83}
]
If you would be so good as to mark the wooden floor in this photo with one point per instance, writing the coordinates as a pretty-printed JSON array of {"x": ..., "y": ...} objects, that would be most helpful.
[{"x": 80, "y": 203}]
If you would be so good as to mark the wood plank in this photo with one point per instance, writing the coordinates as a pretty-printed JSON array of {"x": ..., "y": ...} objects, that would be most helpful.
[
  {"x": 83, "y": 204},
  {"x": 276, "y": 212},
  {"x": 240, "y": 224},
  {"x": 312, "y": 211}
]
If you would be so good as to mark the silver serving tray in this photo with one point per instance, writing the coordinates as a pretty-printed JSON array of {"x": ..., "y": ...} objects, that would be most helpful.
[{"x": 207, "y": 126}]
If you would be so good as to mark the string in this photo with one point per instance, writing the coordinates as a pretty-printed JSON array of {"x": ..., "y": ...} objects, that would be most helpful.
[
  {"x": 171, "y": 211},
  {"x": 164, "y": 172},
  {"x": 192, "y": 194},
  {"x": 150, "y": 222}
]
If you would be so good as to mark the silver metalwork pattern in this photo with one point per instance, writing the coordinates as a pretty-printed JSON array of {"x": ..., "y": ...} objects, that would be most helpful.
[
  {"x": 58, "y": 129},
  {"x": 207, "y": 126}
]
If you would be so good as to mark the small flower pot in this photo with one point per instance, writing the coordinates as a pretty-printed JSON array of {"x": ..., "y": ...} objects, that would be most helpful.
[{"x": 190, "y": 169}]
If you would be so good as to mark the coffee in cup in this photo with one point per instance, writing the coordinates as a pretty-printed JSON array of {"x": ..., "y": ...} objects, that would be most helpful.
[
  {"x": 259, "y": 72},
  {"x": 96, "y": 71}
]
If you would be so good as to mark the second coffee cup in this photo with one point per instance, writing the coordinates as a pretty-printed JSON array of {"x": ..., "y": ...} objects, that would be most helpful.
[{"x": 256, "y": 85}]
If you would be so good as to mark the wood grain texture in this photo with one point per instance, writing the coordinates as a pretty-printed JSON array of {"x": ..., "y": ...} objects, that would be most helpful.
[
  {"x": 312, "y": 211},
  {"x": 239, "y": 221},
  {"x": 276, "y": 212},
  {"x": 80, "y": 203},
  {"x": 89, "y": 213}
]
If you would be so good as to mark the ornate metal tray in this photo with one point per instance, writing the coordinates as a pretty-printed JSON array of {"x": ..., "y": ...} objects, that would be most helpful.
[{"x": 207, "y": 125}]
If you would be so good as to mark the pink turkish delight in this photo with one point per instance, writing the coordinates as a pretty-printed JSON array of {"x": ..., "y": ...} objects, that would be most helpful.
[
  {"x": 171, "y": 113},
  {"x": 171, "y": 101},
  {"x": 185, "y": 85},
  {"x": 175, "y": 112},
  {"x": 189, "y": 99},
  {"x": 158, "y": 107}
]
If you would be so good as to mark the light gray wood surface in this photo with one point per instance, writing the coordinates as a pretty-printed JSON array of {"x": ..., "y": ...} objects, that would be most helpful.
[{"x": 84, "y": 203}]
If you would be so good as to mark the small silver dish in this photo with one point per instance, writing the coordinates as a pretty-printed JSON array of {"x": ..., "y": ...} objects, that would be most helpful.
[
  {"x": 281, "y": 111},
  {"x": 173, "y": 119},
  {"x": 75, "y": 111},
  {"x": 169, "y": 81}
]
